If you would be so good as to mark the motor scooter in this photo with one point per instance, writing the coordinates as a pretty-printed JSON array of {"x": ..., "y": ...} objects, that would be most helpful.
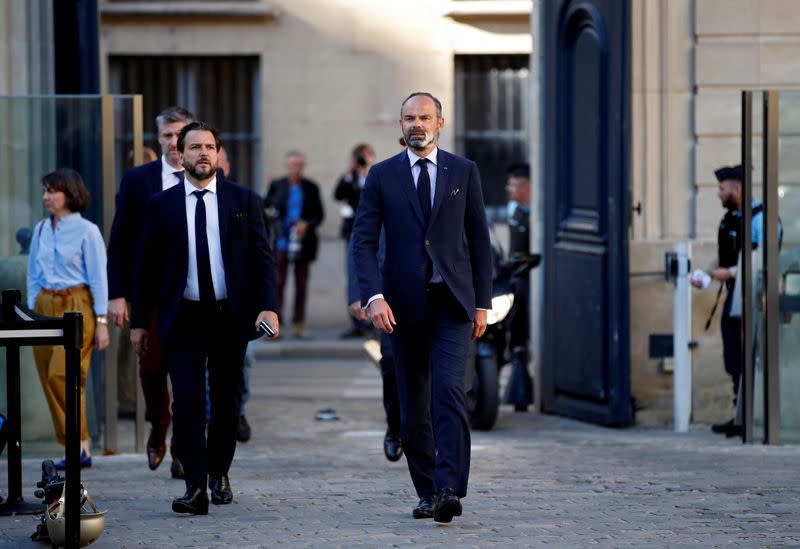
[{"x": 489, "y": 352}]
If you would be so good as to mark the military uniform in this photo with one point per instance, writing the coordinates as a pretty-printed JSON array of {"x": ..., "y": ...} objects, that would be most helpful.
[
  {"x": 729, "y": 245},
  {"x": 519, "y": 390},
  {"x": 519, "y": 244}
]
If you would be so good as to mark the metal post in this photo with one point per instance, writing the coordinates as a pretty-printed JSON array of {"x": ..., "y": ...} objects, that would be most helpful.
[
  {"x": 11, "y": 298},
  {"x": 682, "y": 330},
  {"x": 772, "y": 408},
  {"x": 747, "y": 271},
  {"x": 15, "y": 504},
  {"x": 73, "y": 341}
]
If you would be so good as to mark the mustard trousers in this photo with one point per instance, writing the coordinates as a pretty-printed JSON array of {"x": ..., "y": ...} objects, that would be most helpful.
[{"x": 51, "y": 360}]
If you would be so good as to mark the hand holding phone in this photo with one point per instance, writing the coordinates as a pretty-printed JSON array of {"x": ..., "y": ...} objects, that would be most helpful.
[{"x": 266, "y": 328}]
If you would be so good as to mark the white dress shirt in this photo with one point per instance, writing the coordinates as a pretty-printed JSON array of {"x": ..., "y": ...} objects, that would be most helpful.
[
  {"x": 192, "y": 291},
  {"x": 169, "y": 174}
]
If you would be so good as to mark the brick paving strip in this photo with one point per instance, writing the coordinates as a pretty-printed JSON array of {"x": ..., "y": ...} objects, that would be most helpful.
[{"x": 536, "y": 481}]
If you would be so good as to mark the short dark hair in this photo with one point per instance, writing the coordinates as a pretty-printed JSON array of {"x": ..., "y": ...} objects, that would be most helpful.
[
  {"x": 174, "y": 114},
  {"x": 197, "y": 126},
  {"x": 735, "y": 173},
  {"x": 521, "y": 169},
  {"x": 361, "y": 149},
  {"x": 425, "y": 94},
  {"x": 69, "y": 182}
]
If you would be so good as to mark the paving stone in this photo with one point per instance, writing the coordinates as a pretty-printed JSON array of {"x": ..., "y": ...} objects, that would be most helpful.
[{"x": 535, "y": 481}]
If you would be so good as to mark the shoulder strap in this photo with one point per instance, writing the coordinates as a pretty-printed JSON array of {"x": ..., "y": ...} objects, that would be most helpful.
[{"x": 714, "y": 308}]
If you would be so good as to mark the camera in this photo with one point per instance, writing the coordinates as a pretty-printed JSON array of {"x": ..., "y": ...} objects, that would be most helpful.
[{"x": 361, "y": 161}]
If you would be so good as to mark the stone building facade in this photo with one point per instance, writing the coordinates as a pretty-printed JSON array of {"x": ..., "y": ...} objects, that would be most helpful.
[{"x": 331, "y": 73}]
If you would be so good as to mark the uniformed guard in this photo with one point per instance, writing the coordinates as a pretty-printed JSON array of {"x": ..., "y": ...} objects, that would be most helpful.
[
  {"x": 519, "y": 390},
  {"x": 729, "y": 245}
]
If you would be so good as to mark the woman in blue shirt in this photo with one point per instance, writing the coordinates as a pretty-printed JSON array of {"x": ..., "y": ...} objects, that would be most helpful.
[{"x": 67, "y": 272}]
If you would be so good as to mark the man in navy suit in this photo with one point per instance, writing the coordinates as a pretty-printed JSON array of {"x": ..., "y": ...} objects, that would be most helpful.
[
  {"x": 208, "y": 272},
  {"x": 432, "y": 295},
  {"x": 137, "y": 186}
]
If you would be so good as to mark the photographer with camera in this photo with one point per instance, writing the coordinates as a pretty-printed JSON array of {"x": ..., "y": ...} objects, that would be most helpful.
[{"x": 348, "y": 190}]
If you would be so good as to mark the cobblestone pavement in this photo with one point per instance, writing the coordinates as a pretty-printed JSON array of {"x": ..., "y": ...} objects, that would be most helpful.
[{"x": 536, "y": 480}]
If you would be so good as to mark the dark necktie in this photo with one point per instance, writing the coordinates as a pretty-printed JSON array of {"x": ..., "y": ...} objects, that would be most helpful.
[
  {"x": 179, "y": 175},
  {"x": 424, "y": 189},
  {"x": 201, "y": 246},
  {"x": 424, "y": 196}
]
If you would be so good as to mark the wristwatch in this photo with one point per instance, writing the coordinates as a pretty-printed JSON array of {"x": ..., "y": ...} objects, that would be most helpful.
[{"x": 102, "y": 320}]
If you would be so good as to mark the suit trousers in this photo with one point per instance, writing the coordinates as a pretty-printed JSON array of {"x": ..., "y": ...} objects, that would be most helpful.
[
  {"x": 51, "y": 359},
  {"x": 391, "y": 402},
  {"x": 153, "y": 377},
  {"x": 731, "y": 329},
  {"x": 201, "y": 338},
  {"x": 430, "y": 363}
]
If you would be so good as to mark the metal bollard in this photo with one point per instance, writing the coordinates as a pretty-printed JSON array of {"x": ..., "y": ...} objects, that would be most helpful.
[{"x": 682, "y": 331}]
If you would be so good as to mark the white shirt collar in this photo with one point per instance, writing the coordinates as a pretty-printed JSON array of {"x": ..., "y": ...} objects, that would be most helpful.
[
  {"x": 412, "y": 157},
  {"x": 188, "y": 188},
  {"x": 166, "y": 168}
]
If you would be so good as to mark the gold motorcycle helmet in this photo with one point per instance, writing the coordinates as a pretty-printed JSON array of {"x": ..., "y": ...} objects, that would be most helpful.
[{"x": 93, "y": 522}]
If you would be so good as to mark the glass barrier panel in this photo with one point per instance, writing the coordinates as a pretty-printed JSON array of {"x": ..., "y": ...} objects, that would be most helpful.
[
  {"x": 754, "y": 308},
  {"x": 789, "y": 265},
  {"x": 39, "y": 134}
]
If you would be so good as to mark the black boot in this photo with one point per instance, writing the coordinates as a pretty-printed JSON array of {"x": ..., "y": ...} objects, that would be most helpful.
[{"x": 519, "y": 390}]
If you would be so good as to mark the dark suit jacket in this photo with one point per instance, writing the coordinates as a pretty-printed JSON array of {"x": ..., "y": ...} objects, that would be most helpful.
[
  {"x": 348, "y": 190},
  {"x": 137, "y": 186},
  {"x": 248, "y": 261},
  {"x": 312, "y": 211},
  {"x": 456, "y": 239}
]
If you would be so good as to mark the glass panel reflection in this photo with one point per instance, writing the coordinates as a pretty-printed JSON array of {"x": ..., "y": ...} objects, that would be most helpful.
[
  {"x": 39, "y": 134},
  {"x": 789, "y": 262}
]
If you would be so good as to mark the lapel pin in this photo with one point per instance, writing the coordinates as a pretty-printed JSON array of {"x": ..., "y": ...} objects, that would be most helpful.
[{"x": 455, "y": 191}]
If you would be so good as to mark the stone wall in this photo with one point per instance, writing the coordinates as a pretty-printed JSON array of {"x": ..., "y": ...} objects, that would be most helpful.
[
  {"x": 691, "y": 59},
  {"x": 333, "y": 72}
]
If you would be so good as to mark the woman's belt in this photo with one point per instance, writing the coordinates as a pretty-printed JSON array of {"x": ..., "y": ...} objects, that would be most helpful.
[{"x": 66, "y": 291}]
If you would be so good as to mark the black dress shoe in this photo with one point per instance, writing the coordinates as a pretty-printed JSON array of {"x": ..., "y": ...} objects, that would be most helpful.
[
  {"x": 243, "y": 431},
  {"x": 722, "y": 428},
  {"x": 392, "y": 446},
  {"x": 221, "y": 493},
  {"x": 424, "y": 508},
  {"x": 447, "y": 506},
  {"x": 734, "y": 431},
  {"x": 194, "y": 501}
]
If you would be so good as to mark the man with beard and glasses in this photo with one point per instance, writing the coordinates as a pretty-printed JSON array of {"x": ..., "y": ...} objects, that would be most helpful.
[
  {"x": 431, "y": 295},
  {"x": 137, "y": 186},
  {"x": 208, "y": 272}
]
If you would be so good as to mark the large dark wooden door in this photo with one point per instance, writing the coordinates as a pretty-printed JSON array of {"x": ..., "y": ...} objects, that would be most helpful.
[{"x": 586, "y": 351}]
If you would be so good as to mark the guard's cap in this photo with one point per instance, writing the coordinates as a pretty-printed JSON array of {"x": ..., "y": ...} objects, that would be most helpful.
[{"x": 730, "y": 172}]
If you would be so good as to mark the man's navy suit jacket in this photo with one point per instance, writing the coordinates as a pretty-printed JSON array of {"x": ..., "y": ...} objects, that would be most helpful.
[
  {"x": 137, "y": 186},
  {"x": 456, "y": 238},
  {"x": 250, "y": 274}
]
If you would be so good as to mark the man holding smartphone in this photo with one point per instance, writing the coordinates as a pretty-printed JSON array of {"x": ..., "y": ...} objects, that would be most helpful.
[{"x": 208, "y": 272}]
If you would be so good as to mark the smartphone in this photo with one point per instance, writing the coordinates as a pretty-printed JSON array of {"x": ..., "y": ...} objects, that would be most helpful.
[{"x": 266, "y": 328}]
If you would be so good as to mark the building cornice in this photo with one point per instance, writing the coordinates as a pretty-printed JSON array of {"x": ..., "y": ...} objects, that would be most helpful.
[
  {"x": 493, "y": 9},
  {"x": 234, "y": 10}
]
